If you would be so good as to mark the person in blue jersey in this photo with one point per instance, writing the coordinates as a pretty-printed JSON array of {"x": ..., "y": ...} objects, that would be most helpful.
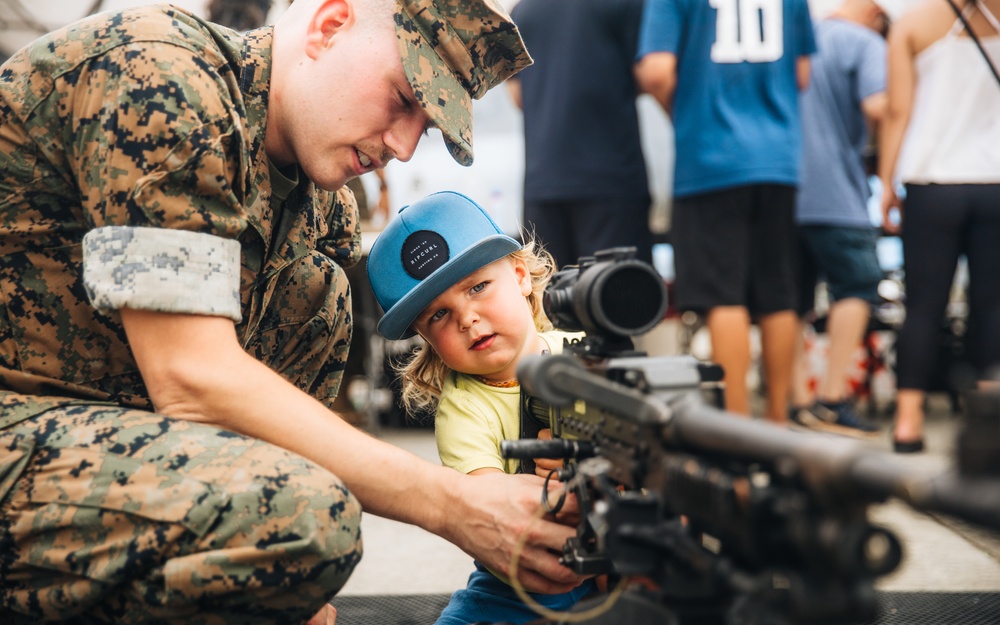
[
  {"x": 729, "y": 73},
  {"x": 585, "y": 186},
  {"x": 846, "y": 95}
]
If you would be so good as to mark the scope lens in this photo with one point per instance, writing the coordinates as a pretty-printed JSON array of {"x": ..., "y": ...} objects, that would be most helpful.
[
  {"x": 630, "y": 299},
  {"x": 558, "y": 306}
]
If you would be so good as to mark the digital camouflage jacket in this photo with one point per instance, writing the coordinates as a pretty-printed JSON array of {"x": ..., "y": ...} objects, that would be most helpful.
[{"x": 147, "y": 132}]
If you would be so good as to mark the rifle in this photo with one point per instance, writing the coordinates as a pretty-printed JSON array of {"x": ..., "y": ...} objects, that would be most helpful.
[{"x": 731, "y": 521}]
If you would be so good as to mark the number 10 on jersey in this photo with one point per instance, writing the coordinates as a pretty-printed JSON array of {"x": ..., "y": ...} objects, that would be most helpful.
[{"x": 747, "y": 30}]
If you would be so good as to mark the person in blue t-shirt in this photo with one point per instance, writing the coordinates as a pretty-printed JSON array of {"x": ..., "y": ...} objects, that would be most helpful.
[
  {"x": 846, "y": 93},
  {"x": 729, "y": 73}
]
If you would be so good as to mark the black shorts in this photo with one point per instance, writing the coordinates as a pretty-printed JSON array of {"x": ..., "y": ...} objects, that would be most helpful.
[
  {"x": 736, "y": 247},
  {"x": 570, "y": 229}
]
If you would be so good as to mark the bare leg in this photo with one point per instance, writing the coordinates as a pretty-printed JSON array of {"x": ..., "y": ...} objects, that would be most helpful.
[
  {"x": 778, "y": 335},
  {"x": 846, "y": 328},
  {"x": 801, "y": 394},
  {"x": 909, "y": 415},
  {"x": 729, "y": 327}
]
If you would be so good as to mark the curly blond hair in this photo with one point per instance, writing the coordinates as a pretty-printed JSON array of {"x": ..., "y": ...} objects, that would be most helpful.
[{"x": 424, "y": 373}]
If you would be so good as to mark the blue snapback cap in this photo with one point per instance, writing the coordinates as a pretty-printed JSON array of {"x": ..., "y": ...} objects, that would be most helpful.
[{"x": 432, "y": 244}]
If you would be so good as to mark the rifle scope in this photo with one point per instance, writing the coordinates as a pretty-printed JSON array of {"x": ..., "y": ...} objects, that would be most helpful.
[{"x": 610, "y": 293}]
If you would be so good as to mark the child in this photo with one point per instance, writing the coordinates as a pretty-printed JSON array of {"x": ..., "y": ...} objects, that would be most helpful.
[{"x": 445, "y": 271}]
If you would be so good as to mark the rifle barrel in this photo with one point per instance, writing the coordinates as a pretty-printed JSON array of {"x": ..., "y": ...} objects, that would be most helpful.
[{"x": 833, "y": 462}]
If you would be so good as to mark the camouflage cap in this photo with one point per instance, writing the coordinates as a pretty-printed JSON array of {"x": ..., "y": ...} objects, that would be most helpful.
[{"x": 454, "y": 51}]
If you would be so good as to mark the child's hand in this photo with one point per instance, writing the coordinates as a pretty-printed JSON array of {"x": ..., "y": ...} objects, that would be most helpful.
[
  {"x": 544, "y": 466},
  {"x": 602, "y": 583}
]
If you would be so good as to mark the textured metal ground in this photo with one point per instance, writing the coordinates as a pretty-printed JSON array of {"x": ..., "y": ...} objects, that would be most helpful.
[{"x": 896, "y": 608}]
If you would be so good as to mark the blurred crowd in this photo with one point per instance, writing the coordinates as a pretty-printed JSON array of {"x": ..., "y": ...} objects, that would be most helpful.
[{"x": 781, "y": 123}]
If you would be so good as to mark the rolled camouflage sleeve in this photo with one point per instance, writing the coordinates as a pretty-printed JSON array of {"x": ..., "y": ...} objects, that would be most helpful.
[{"x": 162, "y": 270}]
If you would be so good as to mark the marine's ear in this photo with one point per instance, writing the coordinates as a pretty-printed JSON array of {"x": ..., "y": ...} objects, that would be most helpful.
[{"x": 329, "y": 18}]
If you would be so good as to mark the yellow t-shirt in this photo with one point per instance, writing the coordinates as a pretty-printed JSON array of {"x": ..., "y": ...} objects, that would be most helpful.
[{"x": 473, "y": 417}]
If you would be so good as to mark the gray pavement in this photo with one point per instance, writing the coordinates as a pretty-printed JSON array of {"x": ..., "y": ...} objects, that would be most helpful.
[
  {"x": 941, "y": 554},
  {"x": 401, "y": 559}
]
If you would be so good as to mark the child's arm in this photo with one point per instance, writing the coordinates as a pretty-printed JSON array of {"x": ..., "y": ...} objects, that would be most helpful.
[{"x": 468, "y": 434}]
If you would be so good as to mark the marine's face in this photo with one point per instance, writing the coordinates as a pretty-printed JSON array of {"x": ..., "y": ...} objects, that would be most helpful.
[
  {"x": 355, "y": 109},
  {"x": 483, "y": 324}
]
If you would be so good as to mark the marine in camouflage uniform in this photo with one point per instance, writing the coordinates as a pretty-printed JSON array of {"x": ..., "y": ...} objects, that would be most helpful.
[{"x": 133, "y": 173}]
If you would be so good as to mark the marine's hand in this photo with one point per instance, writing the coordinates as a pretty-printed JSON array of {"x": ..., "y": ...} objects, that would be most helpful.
[{"x": 498, "y": 509}]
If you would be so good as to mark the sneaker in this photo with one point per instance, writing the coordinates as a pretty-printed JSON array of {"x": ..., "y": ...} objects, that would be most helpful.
[{"x": 839, "y": 418}]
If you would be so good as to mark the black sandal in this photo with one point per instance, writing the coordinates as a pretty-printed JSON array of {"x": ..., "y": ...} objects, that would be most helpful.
[{"x": 908, "y": 447}]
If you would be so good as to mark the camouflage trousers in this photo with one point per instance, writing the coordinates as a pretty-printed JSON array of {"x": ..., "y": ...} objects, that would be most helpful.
[
  {"x": 120, "y": 515},
  {"x": 125, "y": 516}
]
